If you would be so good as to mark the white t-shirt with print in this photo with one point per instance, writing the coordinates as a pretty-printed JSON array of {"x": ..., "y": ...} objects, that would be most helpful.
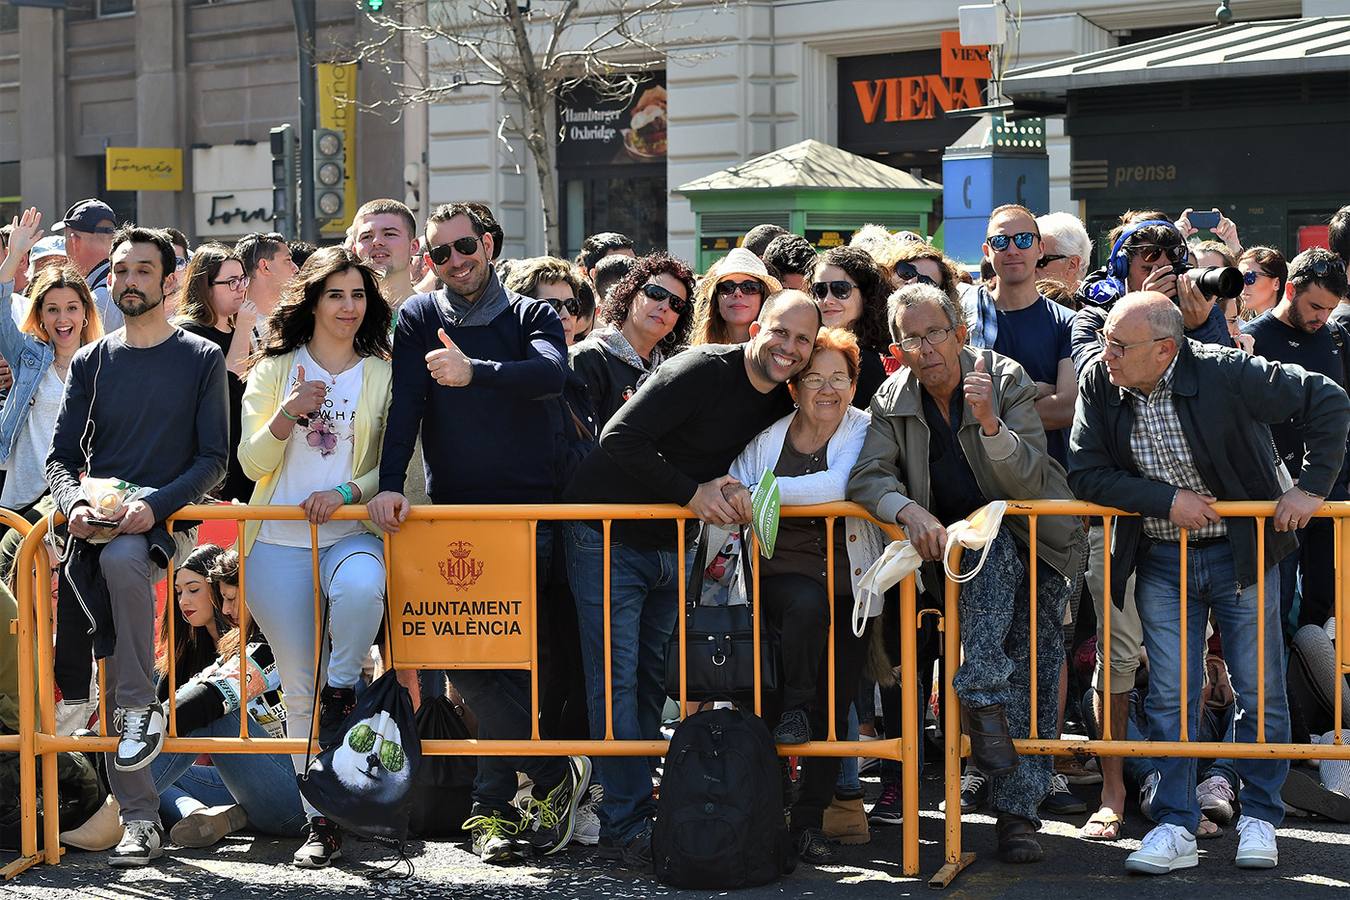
[{"x": 318, "y": 455}]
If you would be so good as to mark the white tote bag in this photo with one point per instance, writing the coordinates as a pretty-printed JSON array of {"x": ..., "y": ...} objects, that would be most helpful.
[{"x": 974, "y": 533}]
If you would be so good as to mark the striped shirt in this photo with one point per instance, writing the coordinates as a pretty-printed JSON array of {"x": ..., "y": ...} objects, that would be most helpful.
[{"x": 1163, "y": 454}]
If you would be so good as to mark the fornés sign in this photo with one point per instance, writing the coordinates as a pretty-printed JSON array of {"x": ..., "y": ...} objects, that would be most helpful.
[{"x": 894, "y": 102}]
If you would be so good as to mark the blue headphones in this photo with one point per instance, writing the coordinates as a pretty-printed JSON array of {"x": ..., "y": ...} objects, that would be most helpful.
[{"x": 1118, "y": 263}]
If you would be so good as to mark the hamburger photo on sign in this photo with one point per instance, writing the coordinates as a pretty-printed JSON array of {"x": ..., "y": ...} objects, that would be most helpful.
[{"x": 645, "y": 138}]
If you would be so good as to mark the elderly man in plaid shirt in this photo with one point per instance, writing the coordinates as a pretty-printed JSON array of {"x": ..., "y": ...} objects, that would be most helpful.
[{"x": 1163, "y": 427}]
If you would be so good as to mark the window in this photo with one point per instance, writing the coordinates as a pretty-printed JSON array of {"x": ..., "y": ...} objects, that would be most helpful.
[
  {"x": 10, "y": 201},
  {"x": 84, "y": 10},
  {"x": 115, "y": 8},
  {"x": 9, "y": 18}
]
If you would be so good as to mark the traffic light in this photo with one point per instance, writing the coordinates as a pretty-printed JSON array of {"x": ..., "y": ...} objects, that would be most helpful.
[
  {"x": 284, "y": 152},
  {"x": 374, "y": 5},
  {"x": 329, "y": 175}
]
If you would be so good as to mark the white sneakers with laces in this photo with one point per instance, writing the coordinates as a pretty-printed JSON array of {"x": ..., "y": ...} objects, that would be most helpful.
[
  {"x": 1256, "y": 844},
  {"x": 141, "y": 842},
  {"x": 142, "y": 729},
  {"x": 1164, "y": 849}
]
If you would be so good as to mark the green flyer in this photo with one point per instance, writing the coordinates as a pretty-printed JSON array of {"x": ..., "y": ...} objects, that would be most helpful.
[{"x": 764, "y": 506}]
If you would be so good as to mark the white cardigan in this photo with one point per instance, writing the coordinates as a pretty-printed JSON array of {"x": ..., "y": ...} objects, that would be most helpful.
[{"x": 864, "y": 539}]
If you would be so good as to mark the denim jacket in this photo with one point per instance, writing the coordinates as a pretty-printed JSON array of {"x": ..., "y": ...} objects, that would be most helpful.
[{"x": 28, "y": 358}]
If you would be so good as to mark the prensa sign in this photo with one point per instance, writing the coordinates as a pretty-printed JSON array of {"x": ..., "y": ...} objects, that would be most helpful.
[{"x": 460, "y": 595}]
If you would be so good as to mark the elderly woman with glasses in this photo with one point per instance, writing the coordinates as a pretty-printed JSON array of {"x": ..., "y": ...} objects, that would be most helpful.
[
  {"x": 955, "y": 429},
  {"x": 729, "y": 297}
]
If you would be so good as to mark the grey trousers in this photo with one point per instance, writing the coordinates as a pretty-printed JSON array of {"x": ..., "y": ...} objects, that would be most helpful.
[
  {"x": 996, "y": 664},
  {"x": 130, "y": 671}
]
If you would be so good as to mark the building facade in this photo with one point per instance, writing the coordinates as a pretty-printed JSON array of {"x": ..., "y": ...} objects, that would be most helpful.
[
  {"x": 204, "y": 81},
  {"x": 746, "y": 78}
]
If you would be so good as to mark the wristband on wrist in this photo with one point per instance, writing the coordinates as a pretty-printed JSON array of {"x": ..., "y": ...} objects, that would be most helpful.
[
  {"x": 346, "y": 492},
  {"x": 1310, "y": 494},
  {"x": 285, "y": 412}
]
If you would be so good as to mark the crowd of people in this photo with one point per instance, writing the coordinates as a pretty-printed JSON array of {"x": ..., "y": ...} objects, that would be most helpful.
[{"x": 416, "y": 365}]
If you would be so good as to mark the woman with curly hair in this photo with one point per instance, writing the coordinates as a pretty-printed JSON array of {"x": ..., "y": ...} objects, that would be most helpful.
[
  {"x": 314, "y": 415},
  {"x": 729, "y": 297},
  {"x": 646, "y": 318},
  {"x": 851, "y": 291}
]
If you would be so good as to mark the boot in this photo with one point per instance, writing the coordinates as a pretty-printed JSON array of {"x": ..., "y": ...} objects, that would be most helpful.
[
  {"x": 845, "y": 821},
  {"x": 990, "y": 745},
  {"x": 101, "y": 832}
]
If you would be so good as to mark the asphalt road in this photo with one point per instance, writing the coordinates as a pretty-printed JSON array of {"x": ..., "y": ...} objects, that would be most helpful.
[{"x": 1314, "y": 862}]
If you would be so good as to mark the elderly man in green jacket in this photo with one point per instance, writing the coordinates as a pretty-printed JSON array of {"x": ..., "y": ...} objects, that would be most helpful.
[{"x": 953, "y": 430}]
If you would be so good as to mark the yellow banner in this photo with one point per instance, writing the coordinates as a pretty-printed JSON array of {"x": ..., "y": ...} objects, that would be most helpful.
[
  {"x": 337, "y": 111},
  {"x": 460, "y": 595},
  {"x": 144, "y": 168}
]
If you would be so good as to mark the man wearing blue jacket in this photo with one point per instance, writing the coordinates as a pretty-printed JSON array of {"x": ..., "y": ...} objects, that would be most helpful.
[{"x": 478, "y": 369}]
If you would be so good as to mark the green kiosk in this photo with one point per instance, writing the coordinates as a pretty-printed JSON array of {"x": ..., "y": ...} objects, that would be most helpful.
[{"x": 811, "y": 189}]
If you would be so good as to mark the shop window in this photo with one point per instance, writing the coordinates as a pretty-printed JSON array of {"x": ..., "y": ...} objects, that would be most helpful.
[
  {"x": 625, "y": 202},
  {"x": 10, "y": 201}
]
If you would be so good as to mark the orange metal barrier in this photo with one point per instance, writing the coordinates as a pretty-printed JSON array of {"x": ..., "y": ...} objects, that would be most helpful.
[
  {"x": 957, "y": 745},
  {"x": 35, "y": 630}
]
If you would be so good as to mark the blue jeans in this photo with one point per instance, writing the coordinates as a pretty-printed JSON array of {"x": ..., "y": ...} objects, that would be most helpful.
[
  {"x": 1216, "y": 725},
  {"x": 644, "y": 607},
  {"x": 500, "y": 698},
  {"x": 1211, "y": 588},
  {"x": 264, "y": 785}
]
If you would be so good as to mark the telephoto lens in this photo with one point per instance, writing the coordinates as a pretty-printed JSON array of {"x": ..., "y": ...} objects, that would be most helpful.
[{"x": 1216, "y": 281}]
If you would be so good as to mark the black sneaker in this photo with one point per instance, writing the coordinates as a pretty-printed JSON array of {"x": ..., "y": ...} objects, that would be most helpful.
[
  {"x": 141, "y": 842},
  {"x": 636, "y": 855},
  {"x": 974, "y": 789},
  {"x": 496, "y": 836},
  {"x": 322, "y": 846},
  {"x": 888, "y": 810},
  {"x": 142, "y": 730},
  {"x": 1061, "y": 801},
  {"x": 793, "y": 728},
  {"x": 335, "y": 705},
  {"x": 551, "y": 821},
  {"x": 814, "y": 849}
]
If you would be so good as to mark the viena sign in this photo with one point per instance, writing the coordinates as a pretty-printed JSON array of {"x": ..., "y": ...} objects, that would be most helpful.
[{"x": 894, "y": 102}]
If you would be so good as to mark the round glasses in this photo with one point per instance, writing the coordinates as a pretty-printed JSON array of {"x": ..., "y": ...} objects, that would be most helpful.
[
  {"x": 999, "y": 242},
  {"x": 237, "y": 283}
]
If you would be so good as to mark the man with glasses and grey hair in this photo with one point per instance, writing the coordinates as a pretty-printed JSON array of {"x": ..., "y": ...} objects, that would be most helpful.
[
  {"x": 1066, "y": 249},
  {"x": 1146, "y": 439},
  {"x": 88, "y": 227},
  {"x": 955, "y": 428}
]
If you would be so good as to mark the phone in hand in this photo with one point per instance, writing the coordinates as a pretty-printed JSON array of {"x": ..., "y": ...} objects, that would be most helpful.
[
  {"x": 1204, "y": 220},
  {"x": 102, "y": 523}
]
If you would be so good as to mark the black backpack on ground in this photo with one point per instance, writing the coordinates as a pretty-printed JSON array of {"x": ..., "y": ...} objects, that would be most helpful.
[
  {"x": 443, "y": 791},
  {"x": 720, "y": 822}
]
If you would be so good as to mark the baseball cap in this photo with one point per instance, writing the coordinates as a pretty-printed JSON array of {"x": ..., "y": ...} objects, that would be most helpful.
[
  {"x": 85, "y": 216},
  {"x": 53, "y": 245}
]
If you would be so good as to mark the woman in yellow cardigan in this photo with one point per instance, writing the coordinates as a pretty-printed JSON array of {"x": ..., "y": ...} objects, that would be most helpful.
[{"x": 313, "y": 421}]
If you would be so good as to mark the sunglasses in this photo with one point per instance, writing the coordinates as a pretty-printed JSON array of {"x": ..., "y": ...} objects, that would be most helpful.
[
  {"x": 237, "y": 283},
  {"x": 658, "y": 294},
  {"x": 841, "y": 290},
  {"x": 906, "y": 272},
  {"x": 1320, "y": 267},
  {"x": 1048, "y": 259},
  {"x": 1150, "y": 252},
  {"x": 999, "y": 242},
  {"x": 1249, "y": 278},
  {"x": 570, "y": 304},
  {"x": 750, "y": 287},
  {"x": 465, "y": 246}
]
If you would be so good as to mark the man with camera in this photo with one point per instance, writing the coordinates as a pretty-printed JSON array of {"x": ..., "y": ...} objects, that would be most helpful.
[
  {"x": 1146, "y": 439},
  {"x": 1299, "y": 331}
]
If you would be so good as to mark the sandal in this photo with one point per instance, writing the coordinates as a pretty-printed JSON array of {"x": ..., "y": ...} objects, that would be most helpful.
[
  {"x": 1108, "y": 822},
  {"x": 1207, "y": 830}
]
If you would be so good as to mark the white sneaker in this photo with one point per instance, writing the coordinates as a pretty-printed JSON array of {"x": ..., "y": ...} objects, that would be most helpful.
[
  {"x": 586, "y": 827},
  {"x": 141, "y": 842},
  {"x": 1256, "y": 844},
  {"x": 1215, "y": 796},
  {"x": 142, "y": 730},
  {"x": 1164, "y": 849}
]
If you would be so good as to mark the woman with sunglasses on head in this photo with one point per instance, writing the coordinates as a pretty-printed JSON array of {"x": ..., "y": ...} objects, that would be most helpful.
[
  {"x": 314, "y": 418},
  {"x": 851, "y": 291},
  {"x": 59, "y": 318},
  {"x": 1264, "y": 273},
  {"x": 203, "y": 804},
  {"x": 728, "y": 298},
  {"x": 644, "y": 319},
  {"x": 210, "y": 304}
]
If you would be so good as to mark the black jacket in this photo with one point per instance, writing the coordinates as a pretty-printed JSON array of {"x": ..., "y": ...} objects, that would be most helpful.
[
  {"x": 610, "y": 381},
  {"x": 1226, "y": 400}
]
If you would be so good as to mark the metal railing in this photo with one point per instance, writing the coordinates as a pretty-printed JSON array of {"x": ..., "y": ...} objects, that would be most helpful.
[
  {"x": 38, "y": 743},
  {"x": 956, "y": 744}
]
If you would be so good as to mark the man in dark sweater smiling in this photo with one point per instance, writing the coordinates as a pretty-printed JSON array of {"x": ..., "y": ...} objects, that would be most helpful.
[
  {"x": 673, "y": 442},
  {"x": 145, "y": 404},
  {"x": 478, "y": 368}
]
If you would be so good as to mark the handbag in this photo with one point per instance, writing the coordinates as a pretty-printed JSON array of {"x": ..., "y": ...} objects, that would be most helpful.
[
  {"x": 974, "y": 533},
  {"x": 719, "y": 639}
]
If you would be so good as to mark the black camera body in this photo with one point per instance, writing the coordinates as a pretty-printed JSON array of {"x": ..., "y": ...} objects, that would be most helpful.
[{"x": 1223, "y": 282}]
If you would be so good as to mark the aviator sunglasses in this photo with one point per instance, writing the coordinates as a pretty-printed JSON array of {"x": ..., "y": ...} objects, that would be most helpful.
[{"x": 465, "y": 246}]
